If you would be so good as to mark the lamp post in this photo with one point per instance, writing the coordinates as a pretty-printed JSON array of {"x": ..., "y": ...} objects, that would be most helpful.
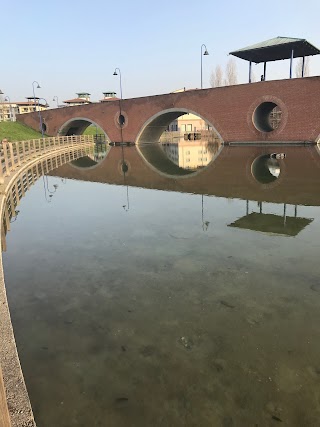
[
  {"x": 34, "y": 96},
  {"x": 10, "y": 112},
  {"x": 121, "y": 117},
  {"x": 55, "y": 98},
  {"x": 115, "y": 74},
  {"x": 40, "y": 117},
  {"x": 202, "y": 54}
]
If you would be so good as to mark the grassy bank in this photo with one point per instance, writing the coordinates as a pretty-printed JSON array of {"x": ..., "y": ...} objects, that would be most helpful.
[
  {"x": 15, "y": 131},
  {"x": 93, "y": 130}
]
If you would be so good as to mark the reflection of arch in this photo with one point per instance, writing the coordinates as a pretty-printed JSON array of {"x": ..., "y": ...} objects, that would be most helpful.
[
  {"x": 265, "y": 169},
  {"x": 154, "y": 127},
  {"x": 77, "y": 125},
  {"x": 150, "y": 149},
  {"x": 91, "y": 160}
]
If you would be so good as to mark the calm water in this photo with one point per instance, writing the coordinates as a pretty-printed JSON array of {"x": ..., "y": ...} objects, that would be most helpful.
[{"x": 142, "y": 307}]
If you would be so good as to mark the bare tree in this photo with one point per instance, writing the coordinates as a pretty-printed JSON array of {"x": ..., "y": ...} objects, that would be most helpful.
[
  {"x": 306, "y": 67},
  {"x": 216, "y": 78},
  {"x": 231, "y": 73}
]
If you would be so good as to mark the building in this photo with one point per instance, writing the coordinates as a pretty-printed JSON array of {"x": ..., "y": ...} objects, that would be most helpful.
[
  {"x": 82, "y": 99},
  {"x": 188, "y": 122},
  {"x": 190, "y": 154},
  {"x": 109, "y": 96},
  {"x": 9, "y": 110}
]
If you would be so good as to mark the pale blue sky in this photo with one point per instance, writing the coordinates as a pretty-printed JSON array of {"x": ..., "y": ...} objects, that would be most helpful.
[{"x": 74, "y": 46}]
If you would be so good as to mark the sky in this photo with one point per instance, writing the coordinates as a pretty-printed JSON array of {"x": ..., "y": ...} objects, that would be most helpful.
[{"x": 74, "y": 46}]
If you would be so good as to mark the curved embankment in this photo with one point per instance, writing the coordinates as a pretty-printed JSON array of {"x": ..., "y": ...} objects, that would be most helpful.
[{"x": 20, "y": 167}]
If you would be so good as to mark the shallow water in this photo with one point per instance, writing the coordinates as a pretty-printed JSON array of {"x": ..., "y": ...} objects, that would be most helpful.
[{"x": 139, "y": 307}]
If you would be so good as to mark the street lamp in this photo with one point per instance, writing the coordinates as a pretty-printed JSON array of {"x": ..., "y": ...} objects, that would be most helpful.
[
  {"x": 10, "y": 112},
  {"x": 115, "y": 74},
  {"x": 55, "y": 98},
  {"x": 34, "y": 96},
  {"x": 204, "y": 53},
  {"x": 121, "y": 119},
  {"x": 40, "y": 117}
]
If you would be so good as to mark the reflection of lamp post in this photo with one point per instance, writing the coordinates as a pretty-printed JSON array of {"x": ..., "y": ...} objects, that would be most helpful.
[
  {"x": 205, "y": 224},
  {"x": 204, "y": 53},
  {"x": 10, "y": 112},
  {"x": 15, "y": 216},
  {"x": 124, "y": 168},
  {"x": 55, "y": 98}
]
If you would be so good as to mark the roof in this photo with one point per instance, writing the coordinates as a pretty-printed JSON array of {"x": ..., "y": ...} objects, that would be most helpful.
[
  {"x": 109, "y": 99},
  {"x": 274, "y": 224},
  {"x": 77, "y": 100},
  {"x": 276, "y": 49},
  {"x": 23, "y": 103}
]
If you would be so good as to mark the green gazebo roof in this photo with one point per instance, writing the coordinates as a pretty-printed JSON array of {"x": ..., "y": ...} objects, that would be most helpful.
[{"x": 276, "y": 49}]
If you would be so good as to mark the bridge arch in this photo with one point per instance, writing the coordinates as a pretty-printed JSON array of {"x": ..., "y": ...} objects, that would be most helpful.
[
  {"x": 77, "y": 125},
  {"x": 149, "y": 135},
  {"x": 154, "y": 127}
]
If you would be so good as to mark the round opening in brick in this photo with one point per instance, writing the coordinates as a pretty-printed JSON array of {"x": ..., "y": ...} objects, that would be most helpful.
[
  {"x": 121, "y": 120},
  {"x": 267, "y": 117}
]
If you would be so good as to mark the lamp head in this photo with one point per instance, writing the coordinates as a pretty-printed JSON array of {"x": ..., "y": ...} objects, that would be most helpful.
[
  {"x": 206, "y": 52},
  {"x": 1, "y": 93},
  {"x": 38, "y": 87},
  {"x": 115, "y": 73}
]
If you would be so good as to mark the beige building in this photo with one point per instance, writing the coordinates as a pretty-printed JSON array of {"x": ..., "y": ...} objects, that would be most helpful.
[
  {"x": 190, "y": 154},
  {"x": 82, "y": 99},
  {"x": 188, "y": 122},
  {"x": 9, "y": 110}
]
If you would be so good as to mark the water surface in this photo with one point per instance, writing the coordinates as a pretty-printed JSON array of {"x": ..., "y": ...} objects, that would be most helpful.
[{"x": 143, "y": 307}]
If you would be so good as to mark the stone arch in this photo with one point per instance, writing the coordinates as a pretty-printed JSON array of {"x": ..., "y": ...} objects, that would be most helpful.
[
  {"x": 77, "y": 125},
  {"x": 151, "y": 131}
]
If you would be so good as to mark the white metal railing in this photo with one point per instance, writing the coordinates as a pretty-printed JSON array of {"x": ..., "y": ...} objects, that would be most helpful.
[{"x": 14, "y": 154}]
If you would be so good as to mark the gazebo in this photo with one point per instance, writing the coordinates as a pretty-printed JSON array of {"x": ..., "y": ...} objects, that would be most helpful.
[{"x": 274, "y": 50}]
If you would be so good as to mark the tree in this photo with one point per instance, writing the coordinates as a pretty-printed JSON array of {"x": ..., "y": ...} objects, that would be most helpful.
[
  {"x": 306, "y": 67},
  {"x": 216, "y": 78},
  {"x": 231, "y": 73}
]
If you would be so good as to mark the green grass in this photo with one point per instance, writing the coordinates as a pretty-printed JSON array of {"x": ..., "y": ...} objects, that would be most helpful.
[
  {"x": 92, "y": 130},
  {"x": 15, "y": 131}
]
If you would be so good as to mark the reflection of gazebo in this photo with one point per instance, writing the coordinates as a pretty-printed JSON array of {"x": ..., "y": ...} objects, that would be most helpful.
[
  {"x": 271, "y": 223},
  {"x": 276, "y": 49}
]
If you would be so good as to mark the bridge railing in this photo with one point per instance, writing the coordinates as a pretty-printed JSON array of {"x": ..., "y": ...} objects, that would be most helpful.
[{"x": 14, "y": 154}]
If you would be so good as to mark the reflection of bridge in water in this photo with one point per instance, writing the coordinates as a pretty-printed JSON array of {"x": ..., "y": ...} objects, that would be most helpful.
[{"x": 229, "y": 175}]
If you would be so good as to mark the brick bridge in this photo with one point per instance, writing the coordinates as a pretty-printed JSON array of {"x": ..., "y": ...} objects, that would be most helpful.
[{"x": 237, "y": 113}]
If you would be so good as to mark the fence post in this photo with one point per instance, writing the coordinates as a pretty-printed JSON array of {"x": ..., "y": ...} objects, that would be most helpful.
[
  {"x": 5, "y": 155},
  {"x": 12, "y": 156}
]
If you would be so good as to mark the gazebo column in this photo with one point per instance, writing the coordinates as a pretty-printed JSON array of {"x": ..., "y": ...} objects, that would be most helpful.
[
  {"x": 302, "y": 71},
  {"x": 291, "y": 60},
  {"x": 264, "y": 71},
  {"x": 250, "y": 66}
]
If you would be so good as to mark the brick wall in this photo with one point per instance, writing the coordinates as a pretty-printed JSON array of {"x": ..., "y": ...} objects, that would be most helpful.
[{"x": 228, "y": 109}]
